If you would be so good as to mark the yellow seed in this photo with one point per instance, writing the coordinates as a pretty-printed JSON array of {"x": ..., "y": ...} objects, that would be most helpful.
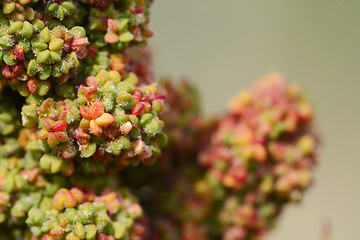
[
  {"x": 105, "y": 120},
  {"x": 95, "y": 129}
]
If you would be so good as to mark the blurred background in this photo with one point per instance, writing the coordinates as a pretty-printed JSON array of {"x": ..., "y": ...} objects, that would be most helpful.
[{"x": 224, "y": 46}]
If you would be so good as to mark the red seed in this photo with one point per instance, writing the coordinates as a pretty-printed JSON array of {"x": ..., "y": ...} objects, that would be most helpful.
[
  {"x": 64, "y": 112},
  {"x": 18, "y": 68},
  {"x": 79, "y": 43},
  {"x": 85, "y": 112},
  {"x": 138, "y": 109},
  {"x": 90, "y": 91},
  {"x": 61, "y": 136},
  {"x": 33, "y": 85},
  {"x": 12, "y": 71},
  {"x": 97, "y": 110},
  {"x": 137, "y": 96},
  {"x": 139, "y": 10},
  {"x": 19, "y": 53},
  {"x": 159, "y": 96},
  {"x": 60, "y": 126},
  {"x": 82, "y": 137},
  {"x": 56, "y": 232}
]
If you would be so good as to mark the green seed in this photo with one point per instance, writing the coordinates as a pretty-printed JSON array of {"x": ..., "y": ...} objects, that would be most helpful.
[
  {"x": 9, "y": 7},
  {"x": 162, "y": 139},
  {"x": 26, "y": 45},
  {"x": 124, "y": 99},
  {"x": 73, "y": 61},
  {"x": 69, "y": 8},
  {"x": 43, "y": 56},
  {"x": 124, "y": 143},
  {"x": 38, "y": 24},
  {"x": 152, "y": 128},
  {"x": 122, "y": 24},
  {"x": 90, "y": 231},
  {"x": 7, "y": 129},
  {"x": 29, "y": 14},
  {"x": 65, "y": 67},
  {"x": 36, "y": 216},
  {"x": 45, "y": 162},
  {"x": 108, "y": 103},
  {"x": 119, "y": 230},
  {"x": 131, "y": 78},
  {"x": 9, "y": 58},
  {"x": 78, "y": 31},
  {"x": 60, "y": 13},
  {"x": 5, "y": 117},
  {"x": 5, "y": 42},
  {"x": 126, "y": 37},
  {"x": 45, "y": 35},
  {"x": 17, "y": 211},
  {"x": 56, "y": 44},
  {"x": 80, "y": 230},
  {"x": 52, "y": 8},
  {"x": 15, "y": 27},
  {"x": 45, "y": 73},
  {"x": 33, "y": 146},
  {"x": 125, "y": 86},
  {"x": 9, "y": 184},
  {"x": 27, "y": 30},
  {"x": 56, "y": 164},
  {"x": 33, "y": 68},
  {"x": 44, "y": 88},
  {"x": 29, "y": 111},
  {"x": 39, "y": 45},
  {"x": 145, "y": 119},
  {"x": 55, "y": 57},
  {"x": 89, "y": 150}
]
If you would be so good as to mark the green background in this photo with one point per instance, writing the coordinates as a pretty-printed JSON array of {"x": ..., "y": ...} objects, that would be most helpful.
[{"x": 224, "y": 46}]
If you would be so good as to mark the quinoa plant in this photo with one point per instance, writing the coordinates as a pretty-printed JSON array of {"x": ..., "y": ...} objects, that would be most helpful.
[{"x": 92, "y": 147}]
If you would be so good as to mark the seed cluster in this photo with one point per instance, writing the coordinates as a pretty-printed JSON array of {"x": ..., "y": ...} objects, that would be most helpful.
[
  {"x": 251, "y": 163},
  {"x": 72, "y": 109},
  {"x": 74, "y": 214}
]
